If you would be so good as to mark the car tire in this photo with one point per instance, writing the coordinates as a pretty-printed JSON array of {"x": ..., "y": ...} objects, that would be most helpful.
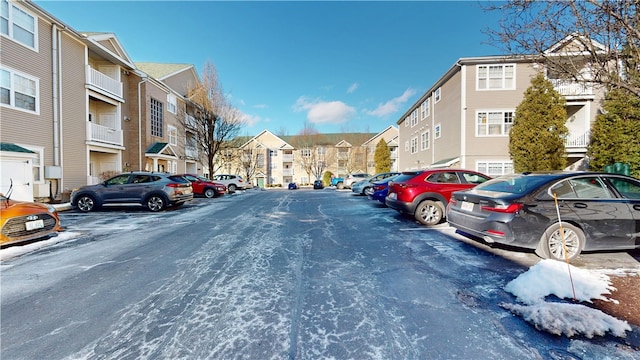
[
  {"x": 231, "y": 188},
  {"x": 367, "y": 191},
  {"x": 155, "y": 203},
  {"x": 209, "y": 193},
  {"x": 551, "y": 244},
  {"x": 340, "y": 186},
  {"x": 429, "y": 213},
  {"x": 86, "y": 203}
]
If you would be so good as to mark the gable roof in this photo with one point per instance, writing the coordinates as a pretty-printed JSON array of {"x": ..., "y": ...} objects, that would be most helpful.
[
  {"x": 14, "y": 148},
  {"x": 162, "y": 71},
  {"x": 107, "y": 45}
]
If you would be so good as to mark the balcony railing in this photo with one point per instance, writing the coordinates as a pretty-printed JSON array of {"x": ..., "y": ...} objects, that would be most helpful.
[
  {"x": 287, "y": 172},
  {"x": 104, "y": 82},
  {"x": 572, "y": 88},
  {"x": 104, "y": 134},
  {"x": 577, "y": 141},
  {"x": 191, "y": 152},
  {"x": 287, "y": 158}
]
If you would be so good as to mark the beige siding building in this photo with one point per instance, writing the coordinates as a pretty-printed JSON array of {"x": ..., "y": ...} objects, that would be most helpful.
[{"x": 464, "y": 119}]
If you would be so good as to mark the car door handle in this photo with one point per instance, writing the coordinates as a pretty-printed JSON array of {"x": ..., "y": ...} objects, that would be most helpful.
[
  {"x": 580, "y": 205},
  {"x": 636, "y": 207}
]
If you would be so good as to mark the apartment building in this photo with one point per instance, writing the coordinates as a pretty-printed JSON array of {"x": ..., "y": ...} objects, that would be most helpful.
[
  {"x": 463, "y": 120},
  {"x": 268, "y": 159}
]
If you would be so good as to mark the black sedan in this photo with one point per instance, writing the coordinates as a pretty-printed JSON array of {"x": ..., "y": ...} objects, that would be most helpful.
[
  {"x": 595, "y": 211},
  {"x": 318, "y": 184}
]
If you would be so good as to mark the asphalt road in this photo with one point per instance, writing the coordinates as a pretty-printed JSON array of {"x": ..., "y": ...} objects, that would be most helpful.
[{"x": 279, "y": 274}]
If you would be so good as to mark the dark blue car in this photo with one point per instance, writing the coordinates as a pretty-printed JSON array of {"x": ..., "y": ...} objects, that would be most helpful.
[{"x": 379, "y": 189}]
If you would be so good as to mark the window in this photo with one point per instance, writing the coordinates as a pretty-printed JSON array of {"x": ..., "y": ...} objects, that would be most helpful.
[
  {"x": 406, "y": 146},
  {"x": 495, "y": 77},
  {"x": 322, "y": 151},
  {"x": 19, "y": 91},
  {"x": 494, "y": 123},
  {"x": 424, "y": 140},
  {"x": 260, "y": 160},
  {"x": 18, "y": 25},
  {"x": 171, "y": 103},
  {"x": 583, "y": 188},
  {"x": 37, "y": 165},
  {"x": 273, "y": 153},
  {"x": 406, "y": 122},
  {"x": 437, "y": 95},
  {"x": 305, "y": 152},
  {"x": 437, "y": 131},
  {"x": 414, "y": 117},
  {"x": 424, "y": 108},
  {"x": 495, "y": 168},
  {"x": 414, "y": 145},
  {"x": 156, "y": 118},
  {"x": 172, "y": 132}
]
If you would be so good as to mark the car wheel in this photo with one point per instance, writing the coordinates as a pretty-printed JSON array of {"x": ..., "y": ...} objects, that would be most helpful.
[
  {"x": 86, "y": 203},
  {"x": 231, "y": 187},
  {"x": 367, "y": 191},
  {"x": 551, "y": 245},
  {"x": 209, "y": 193},
  {"x": 155, "y": 203},
  {"x": 340, "y": 186},
  {"x": 429, "y": 213}
]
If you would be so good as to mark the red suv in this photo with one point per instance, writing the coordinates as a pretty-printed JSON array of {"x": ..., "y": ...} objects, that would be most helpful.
[
  {"x": 203, "y": 186},
  {"x": 426, "y": 193}
]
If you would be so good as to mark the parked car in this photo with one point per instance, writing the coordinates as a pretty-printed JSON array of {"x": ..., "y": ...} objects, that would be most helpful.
[
  {"x": 293, "y": 186},
  {"x": 360, "y": 187},
  {"x": 153, "y": 190},
  {"x": 205, "y": 187},
  {"x": 232, "y": 182},
  {"x": 24, "y": 221},
  {"x": 379, "y": 189},
  {"x": 351, "y": 178},
  {"x": 597, "y": 211},
  {"x": 424, "y": 194},
  {"x": 318, "y": 184}
]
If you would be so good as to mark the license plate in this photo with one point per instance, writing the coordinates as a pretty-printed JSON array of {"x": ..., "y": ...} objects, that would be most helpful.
[
  {"x": 392, "y": 196},
  {"x": 32, "y": 225},
  {"x": 466, "y": 206}
]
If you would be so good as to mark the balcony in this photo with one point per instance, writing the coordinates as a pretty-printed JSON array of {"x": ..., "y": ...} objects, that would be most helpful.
[
  {"x": 191, "y": 152},
  {"x": 287, "y": 172},
  {"x": 104, "y": 134},
  {"x": 287, "y": 158},
  {"x": 572, "y": 88},
  {"x": 577, "y": 142},
  {"x": 102, "y": 82}
]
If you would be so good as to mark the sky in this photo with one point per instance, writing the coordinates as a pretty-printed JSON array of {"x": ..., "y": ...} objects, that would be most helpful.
[
  {"x": 544, "y": 294},
  {"x": 332, "y": 66}
]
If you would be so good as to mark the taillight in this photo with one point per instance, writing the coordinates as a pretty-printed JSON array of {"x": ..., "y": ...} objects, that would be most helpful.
[
  {"x": 174, "y": 185},
  {"x": 511, "y": 208},
  {"x": 452, "y": 201}
]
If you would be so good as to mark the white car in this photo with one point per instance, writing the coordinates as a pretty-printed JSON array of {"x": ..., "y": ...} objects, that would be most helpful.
[
  {"x": 352, "y": 178},
  {"x": 232, "y": 182}
]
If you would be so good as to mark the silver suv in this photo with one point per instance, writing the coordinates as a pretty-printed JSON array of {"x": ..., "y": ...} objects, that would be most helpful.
[
  {"x": 233, "y": 182},
  {"x": 153, "y": 190},
  {"x": 351, "y": 178}
]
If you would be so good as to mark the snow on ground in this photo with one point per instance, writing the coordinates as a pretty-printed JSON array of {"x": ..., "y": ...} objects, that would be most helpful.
[
  {"x": 11, "y": 252},
  {"x": 550, "y": 277}
]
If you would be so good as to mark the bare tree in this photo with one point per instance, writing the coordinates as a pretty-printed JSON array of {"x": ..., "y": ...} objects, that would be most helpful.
[
  {"x": 216, "y": 121},
  {"x": 606, "y": 35}
]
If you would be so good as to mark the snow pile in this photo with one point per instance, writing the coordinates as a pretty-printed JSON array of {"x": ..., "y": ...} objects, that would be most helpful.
[
  {"x": 14, "y": 251},
  {"x": 550, "y": 277}
]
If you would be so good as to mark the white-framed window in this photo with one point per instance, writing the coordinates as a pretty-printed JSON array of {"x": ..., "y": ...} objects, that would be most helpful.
[
  {"x": 18, "y": 24},
  {"x": 322, "y": 151},
  {"x": 406, "y": 122},
  {"x": 495, "y": 168},
  {"x": 156, "y": 118},
  {"x": 19, "y": 91},
  {"x": 414, "y": 145},
  {"x": 273, "y": 153},
  {"x": 37, "y": 163},
  {"x": 414, "y": 117},
  {"x": 496, "y": 77},
  {"x": 406, "y": 146},
  {"x": 173, "y": 167},
  {"x": 424, "y": 140},
  {"x": 172, "y": 106},
  {"x": 305, "y": 152},
  {"x": 437, "y": 95},
  {"x": 172, "y": 133},
  {"x": 494, "y": 123},
  {"x": 437, "y": 131},
  {"x": 425, "y": 108}
]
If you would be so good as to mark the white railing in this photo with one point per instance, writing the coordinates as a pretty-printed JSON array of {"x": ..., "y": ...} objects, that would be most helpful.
[
  {"x": 287, "y": 172},
  {"x": 104, "y": 82},
  {"x": 571, "y": 88},
  {"x": 191, "y": 122},
  {"x": 573, "y": 141},
  {"x": 287, "y": 158},
  {"x": 104, "y": 134}
]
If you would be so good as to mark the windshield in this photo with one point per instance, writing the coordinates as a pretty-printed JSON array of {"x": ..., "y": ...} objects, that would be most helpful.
[{"x": 513, "y": 184}]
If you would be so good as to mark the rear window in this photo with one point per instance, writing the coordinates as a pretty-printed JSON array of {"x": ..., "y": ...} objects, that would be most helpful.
[
  {"x": 406, "y": 176},
  {"x": 178, "y": 179},
  {"x": 514, "y": 184}
]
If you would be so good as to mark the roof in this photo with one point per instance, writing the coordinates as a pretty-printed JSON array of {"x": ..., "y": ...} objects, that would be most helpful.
[
  {"x": 14, "y": 148},
  {"x": 160, "y": 70},
  {"x": 331, "y": 139}
]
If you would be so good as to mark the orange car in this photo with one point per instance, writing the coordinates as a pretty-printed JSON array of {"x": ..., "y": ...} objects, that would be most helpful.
[{"x": 23, "y": 221}]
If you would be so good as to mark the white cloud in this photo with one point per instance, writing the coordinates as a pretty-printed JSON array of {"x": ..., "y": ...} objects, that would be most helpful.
[
  {"x": 353, "y": 88},
  {"x": 325, "y": 112},
  {"x": 250, "y": 120},
  {"x": 393, "y": 105}
]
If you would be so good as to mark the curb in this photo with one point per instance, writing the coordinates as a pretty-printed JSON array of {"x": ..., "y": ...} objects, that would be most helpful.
[{"x": 62, "y": 207}]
